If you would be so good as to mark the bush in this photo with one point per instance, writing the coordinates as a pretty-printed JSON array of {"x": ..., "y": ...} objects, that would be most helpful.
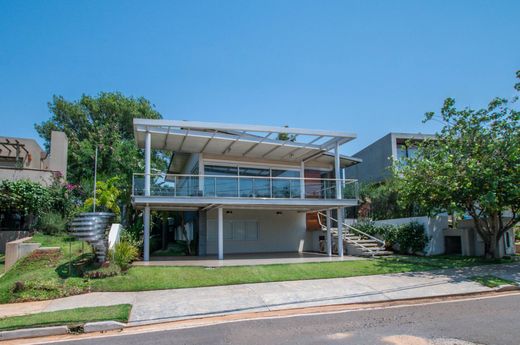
[
  {"x": 52, "y": 223},
  {"x": 123, "y": 254},
  {"x": 409, "y": 238}
]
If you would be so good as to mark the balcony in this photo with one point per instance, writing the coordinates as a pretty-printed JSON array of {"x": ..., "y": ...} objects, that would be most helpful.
[{"x": 243, "y": 187}]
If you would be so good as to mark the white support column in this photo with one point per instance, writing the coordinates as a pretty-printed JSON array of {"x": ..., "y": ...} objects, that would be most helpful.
[
  {"x": 340, "y": 231},
  {"x": 302, "y": 181},
  {"x": 146, "y": 237},
  {"x": 329, "y": 236},
  {"x": 220, "y": 233},
  {"x": 146, "y": 213},
  {"x": 147, "y": 159},
  {"x": 337, "y": 172}
]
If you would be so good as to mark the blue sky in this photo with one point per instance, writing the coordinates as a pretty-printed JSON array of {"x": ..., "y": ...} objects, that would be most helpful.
[{"x": 357, "y": 66}]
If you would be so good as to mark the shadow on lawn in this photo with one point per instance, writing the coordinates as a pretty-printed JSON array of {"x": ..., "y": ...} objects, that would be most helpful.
[{"x": 77, "y": 267}]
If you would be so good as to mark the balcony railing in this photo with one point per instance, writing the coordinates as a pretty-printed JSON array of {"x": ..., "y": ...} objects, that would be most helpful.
[{"x": 219, "y": 186}]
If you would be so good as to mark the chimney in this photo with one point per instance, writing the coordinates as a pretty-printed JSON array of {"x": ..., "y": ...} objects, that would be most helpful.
[{"x": 58, "y": 154}]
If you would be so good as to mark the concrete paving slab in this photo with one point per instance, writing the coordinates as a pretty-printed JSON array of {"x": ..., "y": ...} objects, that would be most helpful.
[{"x": 189, "y": 303}]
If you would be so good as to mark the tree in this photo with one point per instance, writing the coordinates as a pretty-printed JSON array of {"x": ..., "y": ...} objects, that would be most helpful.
[
  {"x": 105, "y": 122},
  {"x": 472, "y": 166},
  {"x": 380, "y": 201},
  {"x": 107, "y": 195}
]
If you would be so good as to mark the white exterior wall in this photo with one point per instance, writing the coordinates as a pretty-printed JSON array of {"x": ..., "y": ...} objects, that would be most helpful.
[
  {"x": 284, "y": 232},
  {"x": 434, "y": 230}
]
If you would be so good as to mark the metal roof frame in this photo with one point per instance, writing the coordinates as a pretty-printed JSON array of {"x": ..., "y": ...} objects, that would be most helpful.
[{"x": 253, "y": 134}]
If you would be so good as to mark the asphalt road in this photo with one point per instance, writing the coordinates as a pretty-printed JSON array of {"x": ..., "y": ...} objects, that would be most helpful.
[{"x": 480, "y": 321}]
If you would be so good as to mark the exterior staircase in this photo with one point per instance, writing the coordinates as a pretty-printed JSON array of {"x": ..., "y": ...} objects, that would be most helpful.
[{"x": 355, "y": 241}]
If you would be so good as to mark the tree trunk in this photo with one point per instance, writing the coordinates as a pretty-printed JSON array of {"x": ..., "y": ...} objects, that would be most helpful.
[
  {"x": 490, "y": 245},
  {"x": 490, "y": 231}
]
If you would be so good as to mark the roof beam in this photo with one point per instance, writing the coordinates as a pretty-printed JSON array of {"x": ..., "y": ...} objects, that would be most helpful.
[
  {"x": 166, "y": 139},
  {"x": 228, "y": 148},
  {"x": 314, "y": 155},
  {"x": 207, "y": 142},
  {"x": 183, "y": 139},
  {"x": 274, "y": 149},
  {"x": 255, "y": 145}
]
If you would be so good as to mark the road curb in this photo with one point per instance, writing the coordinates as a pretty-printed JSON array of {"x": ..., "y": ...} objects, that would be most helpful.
[
  {"x": 33, "y": 332},
  {"x": 89, "y": 327},
  {"x": 103, "y": 326}
]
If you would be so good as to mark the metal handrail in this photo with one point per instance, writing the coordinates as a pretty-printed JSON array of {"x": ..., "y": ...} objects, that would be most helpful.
[
  {"x": 353, "y": 228},
  {"x": 184, "y": 183},
  {"x": 253, "y": 177}
]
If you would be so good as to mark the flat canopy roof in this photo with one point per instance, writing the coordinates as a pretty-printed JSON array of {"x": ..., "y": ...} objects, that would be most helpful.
[{"x": 257, "y": 142}]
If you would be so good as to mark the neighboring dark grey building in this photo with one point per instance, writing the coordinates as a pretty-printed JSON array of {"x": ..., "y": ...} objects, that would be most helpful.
[{"x": 378, "y": 156}]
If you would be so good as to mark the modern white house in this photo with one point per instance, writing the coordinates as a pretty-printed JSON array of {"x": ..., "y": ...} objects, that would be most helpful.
[{"x": 244, "y": 188}]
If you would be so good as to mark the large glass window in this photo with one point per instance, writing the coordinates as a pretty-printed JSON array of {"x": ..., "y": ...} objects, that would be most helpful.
[
  {"x": 251, "y": 182},
  {"x": 286, "y": 183},
  {"x": 218, "y": 183},
  {"x": 257, "y": 186}
]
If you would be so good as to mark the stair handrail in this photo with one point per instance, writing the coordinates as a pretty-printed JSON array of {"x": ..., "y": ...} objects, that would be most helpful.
[{"x": 353, "y": 228}]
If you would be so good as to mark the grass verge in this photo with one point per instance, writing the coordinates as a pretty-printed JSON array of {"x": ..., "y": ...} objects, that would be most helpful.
[
  {"x": 70, "y": 317},
  {"x": 492, "y": 281}
]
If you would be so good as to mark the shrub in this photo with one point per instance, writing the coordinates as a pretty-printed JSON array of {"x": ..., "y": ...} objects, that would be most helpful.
[
  {"x": 52, "y": 223},
  {"x": 409, "y": 238},
  {"x": 128, "y": 236},
  {"x": 123, "y": 254}
]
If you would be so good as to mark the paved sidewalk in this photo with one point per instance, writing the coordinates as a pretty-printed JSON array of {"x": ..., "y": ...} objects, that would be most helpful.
[{"x": 167, "y": 305}]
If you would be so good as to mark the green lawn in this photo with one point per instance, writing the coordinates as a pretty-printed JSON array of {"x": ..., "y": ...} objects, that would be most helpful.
[
  {"x": 492, "y": 281},
  {"x": 71, "y": 317},
  {"x": 47, "y": 276},
  {"x": 170, "y": 277}
]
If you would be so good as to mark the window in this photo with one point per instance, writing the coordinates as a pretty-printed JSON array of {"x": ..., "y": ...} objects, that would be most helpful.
[
  {"x": 259, "y": 185},
  {"x": 221, "y": 186},
  {"x": 286, "y": 186},
  {"x": 251, "y": 182}
]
